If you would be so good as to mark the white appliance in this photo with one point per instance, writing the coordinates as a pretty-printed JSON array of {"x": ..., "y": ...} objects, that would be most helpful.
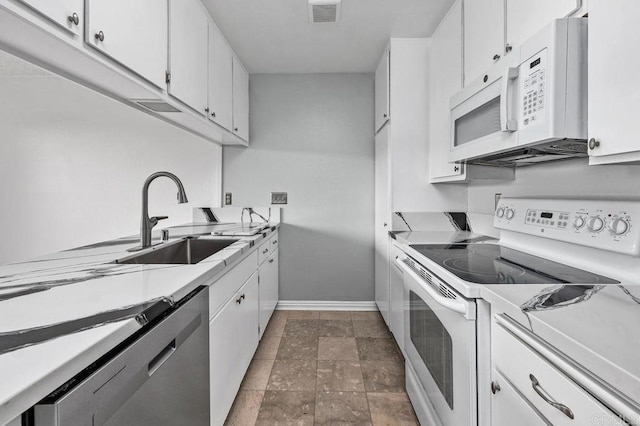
[
  {"x": 588, "y": 243},
  {"x": 531, "y": 107}
]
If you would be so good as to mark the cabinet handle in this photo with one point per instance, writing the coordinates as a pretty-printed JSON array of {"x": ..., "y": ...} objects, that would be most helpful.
[
  {"x": 274, "y": 242},
  {"x": 593, "y": 144},
  {"x": 74, "y": 19},
  {"x": 265, "y": 251},
  {"x": 508, "y": 48},
  {"x": 270, "y": 260},
  {"x": 100, "y": 36},
  {"x": 495, "y": 387},
  {"x": 496, "y": 57},
  {"x": 213, "y": 114},
  {"x": 547, "y": 398}
]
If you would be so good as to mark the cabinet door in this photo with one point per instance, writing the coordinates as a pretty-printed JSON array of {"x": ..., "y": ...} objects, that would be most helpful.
[
  {"x": 61, "y": 12},
  {"x": 613, "y": 91},
  {"x": 445, "y": 80},
  {"x": 381, "y": 218},
  {"x": 224, "y": 350},
  {"x": 248, "y": 321},
  {"x": 509, "y": 407},
  {"x": 132, "y": 33},
  {"x": 483, "y": 36},
  {"x": 525, "y": 18},
  {"x": 396, "y": 298},
  {"x": 220, "y": 79},
  {"x": 268, "y": 289},
  {"x": 382, "y": 91},
  {"x": 188, "y": 60},
  {"x": 240, "y": 100}
]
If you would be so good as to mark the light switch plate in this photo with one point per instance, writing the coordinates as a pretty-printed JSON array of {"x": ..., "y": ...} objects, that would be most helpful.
[
  {"x": 278, "y": 198},
  {"x": 227, "y": 198}
]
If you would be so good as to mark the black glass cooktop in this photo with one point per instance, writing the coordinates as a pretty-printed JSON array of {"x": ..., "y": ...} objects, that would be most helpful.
[{"x": 494, "y": 264}]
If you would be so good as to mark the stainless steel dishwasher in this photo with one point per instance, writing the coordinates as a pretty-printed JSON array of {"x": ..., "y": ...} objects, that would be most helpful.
[{"x": 160, "y": 376}]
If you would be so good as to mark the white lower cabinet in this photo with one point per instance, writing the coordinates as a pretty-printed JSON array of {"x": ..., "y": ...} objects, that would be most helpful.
[
  {"x": 268, "y": 275},
  {"x": 396, "y": 297},
  {"x": 233, "y": 339}
]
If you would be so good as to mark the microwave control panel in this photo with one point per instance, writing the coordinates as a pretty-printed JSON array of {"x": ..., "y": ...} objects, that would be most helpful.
[{"x": 532, "y": 77}]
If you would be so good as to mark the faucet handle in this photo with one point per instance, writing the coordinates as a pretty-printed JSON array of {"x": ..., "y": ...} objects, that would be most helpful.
[{"x": 154, "y": 220}]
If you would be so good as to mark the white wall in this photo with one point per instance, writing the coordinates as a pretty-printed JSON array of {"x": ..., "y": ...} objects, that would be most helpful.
[
  {"x": 72, "y": 165},
  {"x": 312, "y": 137},
  {"x": 563, "y": 179}
]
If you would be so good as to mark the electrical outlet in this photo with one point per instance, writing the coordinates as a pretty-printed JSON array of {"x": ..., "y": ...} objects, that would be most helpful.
[
  {"x": 227, "y": 198},
  {"x": 278, "y": 198}
]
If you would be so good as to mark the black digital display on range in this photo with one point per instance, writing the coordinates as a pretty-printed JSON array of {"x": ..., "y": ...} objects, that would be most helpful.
[
  {"x": 546, "y": 215},
  {"x": 534, "y": 63}
]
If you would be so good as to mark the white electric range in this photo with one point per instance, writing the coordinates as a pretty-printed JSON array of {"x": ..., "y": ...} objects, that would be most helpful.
[{"x": 576, "y": 246}]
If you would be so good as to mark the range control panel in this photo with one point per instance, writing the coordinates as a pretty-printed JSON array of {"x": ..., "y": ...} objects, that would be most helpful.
[{"x": 607, "y": 225}]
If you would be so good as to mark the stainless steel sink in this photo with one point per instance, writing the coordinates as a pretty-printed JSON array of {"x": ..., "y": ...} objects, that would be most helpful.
[{"x": 188, "y": 251}]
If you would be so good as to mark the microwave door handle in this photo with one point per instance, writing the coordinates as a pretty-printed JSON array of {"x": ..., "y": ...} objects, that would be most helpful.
[
  {"x": 460, "y": 306},
  {"x": 507, "y": 123}
]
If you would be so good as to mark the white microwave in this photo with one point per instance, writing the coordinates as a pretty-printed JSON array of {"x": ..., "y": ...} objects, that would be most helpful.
[{"x": 531, "y": 106}]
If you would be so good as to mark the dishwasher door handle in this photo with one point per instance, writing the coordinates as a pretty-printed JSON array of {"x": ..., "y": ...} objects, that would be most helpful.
[{"x": 161, "y": 358}]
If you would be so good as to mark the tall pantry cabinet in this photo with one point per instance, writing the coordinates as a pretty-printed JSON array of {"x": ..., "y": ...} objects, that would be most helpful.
[{"x": 402, "y": 151}]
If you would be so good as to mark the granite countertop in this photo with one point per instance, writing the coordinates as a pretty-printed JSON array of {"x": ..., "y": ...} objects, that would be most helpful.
[
  {"x": 60, "y": 312},
  {"x": 598, "y": 328}
]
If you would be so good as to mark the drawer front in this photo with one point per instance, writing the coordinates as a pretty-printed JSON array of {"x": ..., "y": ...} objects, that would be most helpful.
[
  {"x": 225, "y": 287},
  {"x": 536, "y": 379},
  {"x": 264, "y": 251},
  {"x": 274, "y": 243}
]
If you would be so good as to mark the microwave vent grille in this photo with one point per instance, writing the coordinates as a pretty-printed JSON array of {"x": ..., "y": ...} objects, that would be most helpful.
[{"x": 565, "y": 149}]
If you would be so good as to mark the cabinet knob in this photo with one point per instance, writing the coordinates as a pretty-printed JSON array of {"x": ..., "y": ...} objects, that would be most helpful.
[
  {"x": 99, "y": 36},
  {"x": 270, "y": 260},
  {"x": 485, "y": 78},
  {"x": 495, "y": 387},
  {"x": 593, "y": 144},
  {"x": 456, "y": 168},
  {"x": 213, "y": 114},
  {"x": 74, "y": 19},
  {"x": 235, "y": 129},
  {"x": 206, "y": 110},
  {"x": 496, "y": 57},
  {"x": 274, "y": 242},
  {"x": 508, "y": 48},
  {"x": 384, "y": 115},
  {"x": 265, "y": 251},
  {"x": 384, "y": 224}
]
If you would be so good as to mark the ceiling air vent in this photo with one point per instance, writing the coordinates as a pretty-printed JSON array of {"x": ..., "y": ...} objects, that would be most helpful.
[
  {"x": 157, "y": 106},
  {"x": 322, "y": 11}
]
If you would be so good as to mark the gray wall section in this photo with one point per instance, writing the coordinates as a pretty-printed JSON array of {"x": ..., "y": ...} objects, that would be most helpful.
[{"x": 312, "y": 137}]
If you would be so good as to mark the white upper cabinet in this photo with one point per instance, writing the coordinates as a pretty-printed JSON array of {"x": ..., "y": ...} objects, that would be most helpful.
[
  {"x": 132, "y": 33},
  {"x": 614, "y": 94},
  {"x": 382, "y": 91},
  {"x": 483, "y": 36},
  {"x": 525, "y": 18},
  {"x": 240, "y": 100},
  {"x": 68, "y": 14},
  {"x": 445, "y": 73},
  {"x": 220, "y": 79},
  {"x": 188, "y": 48}
]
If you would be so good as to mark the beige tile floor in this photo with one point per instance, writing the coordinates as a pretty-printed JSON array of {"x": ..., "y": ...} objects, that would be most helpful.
[{"x": 324, "y": 368}]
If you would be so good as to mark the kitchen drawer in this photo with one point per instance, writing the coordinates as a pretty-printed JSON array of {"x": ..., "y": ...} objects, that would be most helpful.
[
  {"x": 225, "y": 287},
  {"x": 265, "y": 250},
  {"x": 510, "y": 408},
  {"x": 524, "y": 367}
]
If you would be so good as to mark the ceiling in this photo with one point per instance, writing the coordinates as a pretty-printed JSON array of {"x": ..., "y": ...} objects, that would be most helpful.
[{"x": 275, "y": 36}]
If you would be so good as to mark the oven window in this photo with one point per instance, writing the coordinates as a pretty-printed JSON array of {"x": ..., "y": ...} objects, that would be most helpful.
[
  {"x": 433, "y": 343},
  {"x": 480, "y": 122}
]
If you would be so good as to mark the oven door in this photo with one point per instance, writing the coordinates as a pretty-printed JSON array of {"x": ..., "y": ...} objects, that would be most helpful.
[
  {"x": 483, "y": 117},
  {"x": 440, "y": 346}
]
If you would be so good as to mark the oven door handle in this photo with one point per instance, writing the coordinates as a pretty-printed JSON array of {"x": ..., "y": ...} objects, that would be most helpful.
[{"x": 460, "y": 306}]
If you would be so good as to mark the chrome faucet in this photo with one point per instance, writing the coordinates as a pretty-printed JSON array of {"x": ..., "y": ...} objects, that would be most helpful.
[{"x": 147, "y": 223}]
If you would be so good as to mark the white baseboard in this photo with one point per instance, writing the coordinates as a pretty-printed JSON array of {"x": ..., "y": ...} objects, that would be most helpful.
[{"x": 321, "y": 305}]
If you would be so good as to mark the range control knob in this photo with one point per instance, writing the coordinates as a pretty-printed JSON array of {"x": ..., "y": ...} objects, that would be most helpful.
[
  {"x": 500, "y": 212},
  {"x": 595, "y": 224},
  {"x": 510, "y": 213},
  {"x": 578, "y": 222},
  {"x": 618, "y": 226}
]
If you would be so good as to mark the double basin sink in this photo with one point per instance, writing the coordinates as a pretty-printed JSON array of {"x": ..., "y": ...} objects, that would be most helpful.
[{"x": 187, "y": 251}]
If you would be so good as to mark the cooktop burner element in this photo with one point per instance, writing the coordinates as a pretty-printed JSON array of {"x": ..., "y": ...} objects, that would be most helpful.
[{"x": 494, "y": 264}]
